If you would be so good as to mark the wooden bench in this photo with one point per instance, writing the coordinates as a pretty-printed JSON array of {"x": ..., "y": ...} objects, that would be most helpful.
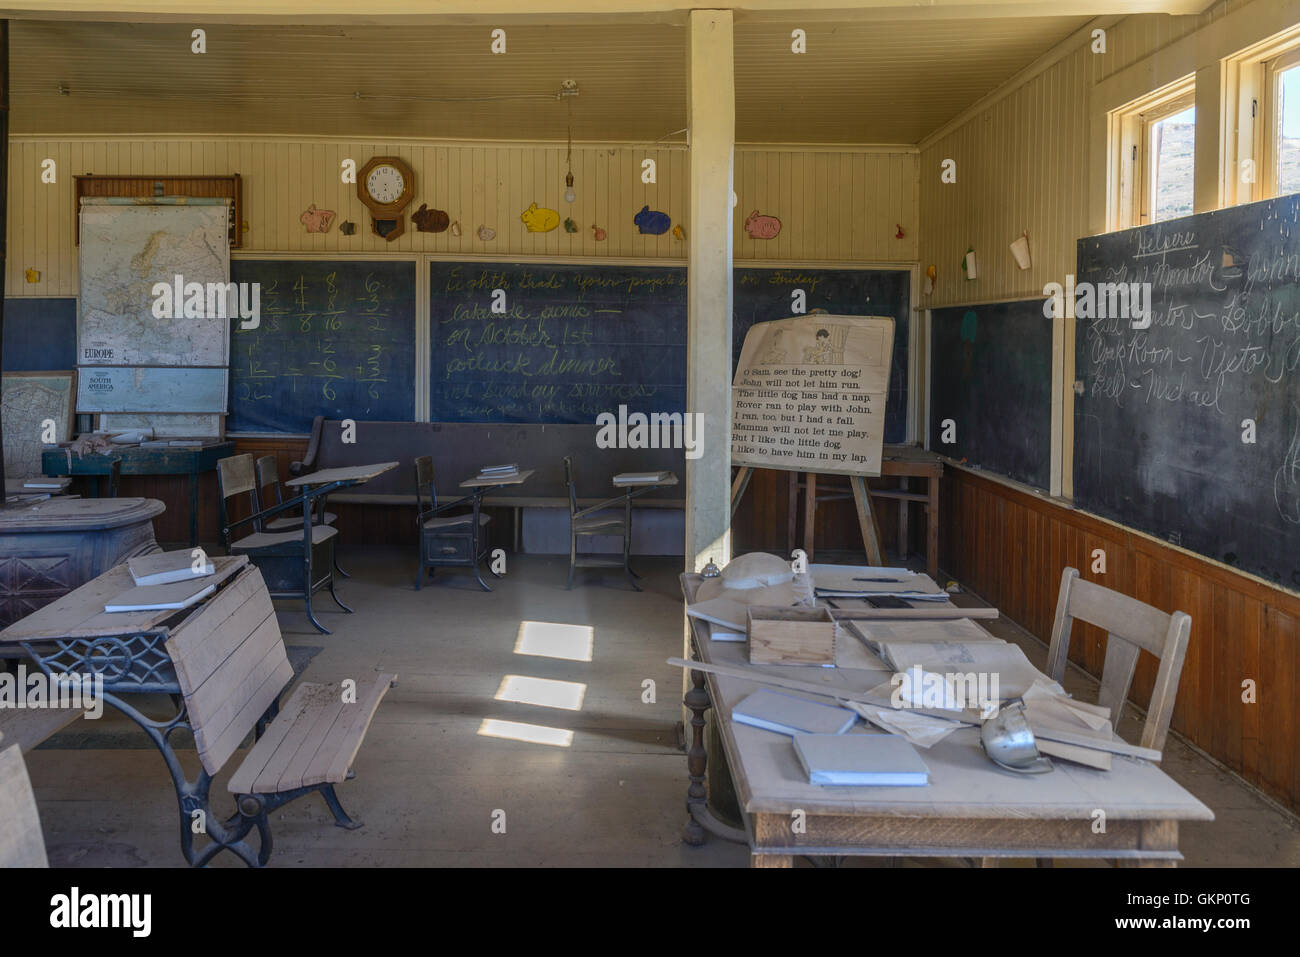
[
  {"x": 28, "y": 727},
  {"x": 231, "y": 666},
  {"x": 21, "y": 842},
  {"x": 459, "y": 450}
]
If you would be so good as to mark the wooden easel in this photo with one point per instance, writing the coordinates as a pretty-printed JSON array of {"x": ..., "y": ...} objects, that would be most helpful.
[{"x": 861, "y": 499}]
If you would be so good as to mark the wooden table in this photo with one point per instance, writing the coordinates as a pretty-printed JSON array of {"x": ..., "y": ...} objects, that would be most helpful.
[
  {"x": 50, "y": 547},
  {"x": 904, "y": 462},
  {"x": 971, "y": 808},
  {"x": 140, "y": 460}
]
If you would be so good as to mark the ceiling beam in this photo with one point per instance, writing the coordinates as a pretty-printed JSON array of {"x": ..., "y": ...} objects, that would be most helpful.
[{"x": 560, "y": 11}]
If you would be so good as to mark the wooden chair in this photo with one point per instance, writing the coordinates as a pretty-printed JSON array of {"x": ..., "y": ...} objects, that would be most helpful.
[
  {"x": 445, "y": 540},
  {"x": 267, "y": 470},
  {"x": 296, "y": 564},
  {"x": 21, "y": 842},
  {"x": 584, "y": 523},
  {"x": 1131, "y": 626}
]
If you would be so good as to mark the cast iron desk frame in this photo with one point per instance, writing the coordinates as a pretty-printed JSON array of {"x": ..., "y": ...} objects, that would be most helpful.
[
  {"x": 1136, "y": 834},
  {"x": 145, "y": 461},
  {"x": 133, "y": 660}
]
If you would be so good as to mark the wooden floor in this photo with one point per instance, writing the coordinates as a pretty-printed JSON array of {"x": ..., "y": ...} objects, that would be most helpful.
[{"x": 429, "y": 779}]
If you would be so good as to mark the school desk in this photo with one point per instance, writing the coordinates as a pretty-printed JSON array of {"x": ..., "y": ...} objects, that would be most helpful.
[
  {"x": 971, "y": 808},
  {"x": 478, "y": 487},
  {"x": 139, "y": 460}
]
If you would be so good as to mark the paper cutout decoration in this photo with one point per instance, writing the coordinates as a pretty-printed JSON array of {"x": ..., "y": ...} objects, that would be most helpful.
[
  {"x": 930, "y": 276},
  {"x": 899, "y": 234},
  {"x": 569, "y": 225},
  {"x": 317, "y": 220},
  {"x": 599, "y": 233},
  {"x": 33, "y": 275},
  {"x": 486, "y": 233},
  {"x": 430, "y": 220},
  {"x": 455, "y": 228},
  {"x": 539, "y": 220},
  {"x": 762, "y": 226},
  {"x": 651, "y": 222},
  {"x": 1020, "y": 250},
  {"x": 678, "y": 232},
  {"x": 347, "y": 228},
  {"x": 968, "y": 264}
]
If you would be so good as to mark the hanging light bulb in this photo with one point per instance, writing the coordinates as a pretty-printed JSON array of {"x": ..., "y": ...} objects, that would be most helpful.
[{"x": 569, "y": 194}]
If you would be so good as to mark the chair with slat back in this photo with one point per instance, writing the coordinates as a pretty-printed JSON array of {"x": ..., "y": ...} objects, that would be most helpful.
[
  {"x": 1132, "y": 626},
  {"x": 296, "y": 563},
  {"x": 587, "y": 523},
  {"x": 445, "y": 540},
  {"x": 22, "y": 843},
  {"x": 231, "y": 666},
  {"x": 267, "y": 472}
]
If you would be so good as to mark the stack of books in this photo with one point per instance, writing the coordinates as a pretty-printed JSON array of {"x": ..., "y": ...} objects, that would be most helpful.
[
  {"x": 166, "y": 581},
  {"x": 860, "y": 760},
  {"x": 498, "y": 471}
]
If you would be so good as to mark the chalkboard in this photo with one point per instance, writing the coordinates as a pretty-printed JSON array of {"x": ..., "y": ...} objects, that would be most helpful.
[
  {"x": 573, "y": 341},
  {"x": 40, "y": 334},
  {"x": 761, "y": 294},
  {"x": 991, "y": 374},
  {"x": 336, "y": 338},
  {"x": 1163, "y": 426}
]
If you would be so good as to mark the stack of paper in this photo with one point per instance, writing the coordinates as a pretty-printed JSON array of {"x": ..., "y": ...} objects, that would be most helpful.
[
  {"x": 860, "y": 759},
  {"x": 960, "y": 662},
  {"x": 162, "y": 568},
  {"x": 728, "y": 620},
  {"x": 862, "y": 581},
  {"x": 1049, "y": 710},
  {"x": 791, "y": 714}
]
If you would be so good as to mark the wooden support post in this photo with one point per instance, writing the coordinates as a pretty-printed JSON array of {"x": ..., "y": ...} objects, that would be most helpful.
[
  {"x": 809, "y": 513},
  {"x": 867, "y": 520}
]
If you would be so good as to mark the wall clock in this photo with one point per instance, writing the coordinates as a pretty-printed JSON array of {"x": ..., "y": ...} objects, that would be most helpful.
[{"x": 386, "y": 185}]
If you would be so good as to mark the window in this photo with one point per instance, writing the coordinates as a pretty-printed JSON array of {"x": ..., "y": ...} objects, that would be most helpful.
[
  {"x": 1280, "y": 151},
  {"x": 1154, "y": 143},
  {"x": 1169, "y": 165}
]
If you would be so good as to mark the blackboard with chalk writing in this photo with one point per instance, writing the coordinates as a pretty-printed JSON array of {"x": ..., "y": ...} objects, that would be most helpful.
[
  {"x": 556, "y": 343},
  {"x": 335, "y": 338},
  {"x": 1189, "y": 429},
  {"x": 764, "y": 293}
]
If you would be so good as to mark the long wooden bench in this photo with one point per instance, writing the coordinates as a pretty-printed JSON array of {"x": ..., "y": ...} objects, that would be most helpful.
[
  {"x": 459, "y": 450},
  {"x": 231, "y": 665},
  {"x": 21, "y": 842}
]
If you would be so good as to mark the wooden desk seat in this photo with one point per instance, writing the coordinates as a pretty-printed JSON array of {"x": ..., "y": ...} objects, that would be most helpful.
[
  {"x": 28, "y": 727},
  {"x": 231, "y": 665},
  {"x": 456, "y": 521},
  {"x": 259, "y": 541}
]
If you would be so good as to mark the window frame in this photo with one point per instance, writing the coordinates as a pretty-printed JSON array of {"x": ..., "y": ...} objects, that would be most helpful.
[
  {"x": 1130, "y": 132},
  {"x": 1268, "y": 129}
]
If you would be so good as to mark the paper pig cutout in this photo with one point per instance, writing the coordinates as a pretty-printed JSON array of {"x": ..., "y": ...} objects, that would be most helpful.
[
  {"x": 762, "y": 227},
  {"x": 539, "y": 220},
  {"x": 317, "y": 220},
  {"x": 652, "y": 222}
]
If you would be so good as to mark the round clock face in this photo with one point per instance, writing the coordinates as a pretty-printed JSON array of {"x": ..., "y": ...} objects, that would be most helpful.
[{"x": 385, "y": 184}]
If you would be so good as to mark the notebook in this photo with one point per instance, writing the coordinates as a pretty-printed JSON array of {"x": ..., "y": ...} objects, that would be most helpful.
[
  {"x": 161, "y": 568},
  {"x": 174, "y": 595},
  {"x": 640, "y": 478},
  {"x": 790, "y": 714},
  {"x": 853, "y": 760}
]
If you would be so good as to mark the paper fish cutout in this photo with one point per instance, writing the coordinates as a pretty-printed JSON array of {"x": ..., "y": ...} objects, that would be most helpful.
[
  {"x": 600, "y": 234},
  {"x": 317, "y": 220},
  {"x": 678, "y": 232},
  {"x": 651, "y": 222},
  {"x": 430, "y": 220},
  {"x": 455, "y": 228},
  {"x": 539, "y": 220},
  {"x": 570, "y": 226},
  {"x": 347, "y": 228},
  {"x": 487, "y": 233},
  {"x": 762, "y": 226}
]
